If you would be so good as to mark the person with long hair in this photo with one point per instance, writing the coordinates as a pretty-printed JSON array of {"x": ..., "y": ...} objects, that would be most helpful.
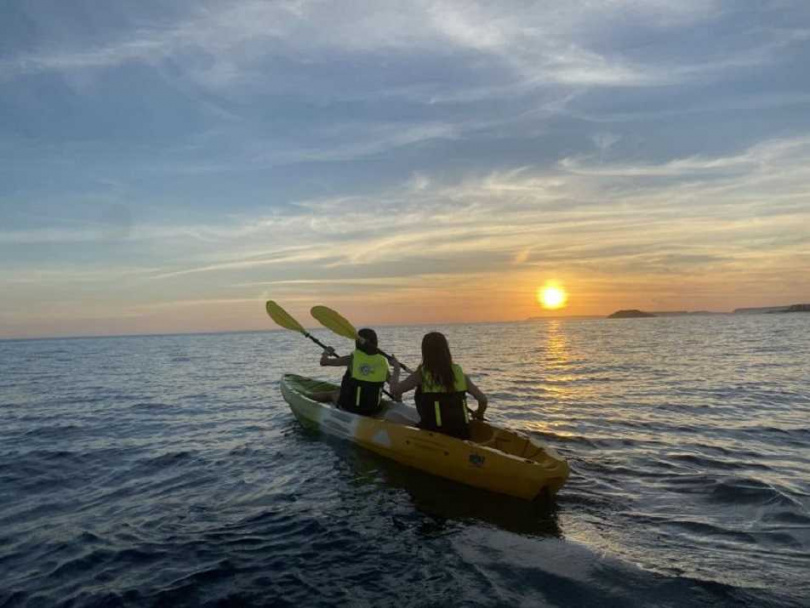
[
  {"x": 366, "y": 373},
  {"x": 441, "y": 389}
]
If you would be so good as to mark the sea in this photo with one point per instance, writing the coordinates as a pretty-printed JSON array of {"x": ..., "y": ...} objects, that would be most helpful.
[{"x": 169, "y": 471}]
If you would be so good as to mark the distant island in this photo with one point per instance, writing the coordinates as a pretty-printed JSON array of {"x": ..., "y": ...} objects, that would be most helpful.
[
  {"x": 684, "y": 313},
  {"x": 640, "y": 314},
  {"x": 772, "y": 309},
  {"x": 630, "y": 314},
  {"x": 633, "y": 313},
  {"x": 797, "y": 308},
  {"x": 765, "y": 310},
  {"x": 552, "y": 317}
]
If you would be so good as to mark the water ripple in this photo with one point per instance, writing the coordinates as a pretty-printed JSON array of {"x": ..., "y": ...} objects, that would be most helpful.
[{"x": 168, "y": 471}]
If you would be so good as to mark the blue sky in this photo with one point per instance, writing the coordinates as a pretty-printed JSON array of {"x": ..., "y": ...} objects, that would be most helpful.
[{"x": 169, "y": 166}]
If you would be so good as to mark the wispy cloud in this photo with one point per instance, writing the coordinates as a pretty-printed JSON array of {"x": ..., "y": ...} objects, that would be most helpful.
[
  {"x": 224, "y": 45},
  {"x": 355, "y": 141},
  {"x": 506, "y": 212},
  {"x": 575, "y": 215}
]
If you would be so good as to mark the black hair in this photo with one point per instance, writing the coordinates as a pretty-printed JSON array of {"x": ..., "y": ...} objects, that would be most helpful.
[
  {"x": 437, "y": 360},
  {"x": 368, "y": 341}
]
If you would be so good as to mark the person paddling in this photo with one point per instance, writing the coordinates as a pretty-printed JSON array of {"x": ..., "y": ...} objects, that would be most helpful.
[
  {"x": 441, "y": 389},
  {"x": 366, "y": 373}
]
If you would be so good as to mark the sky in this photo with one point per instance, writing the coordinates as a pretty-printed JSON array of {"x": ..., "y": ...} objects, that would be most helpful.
[{"x": 168, "y": 167}]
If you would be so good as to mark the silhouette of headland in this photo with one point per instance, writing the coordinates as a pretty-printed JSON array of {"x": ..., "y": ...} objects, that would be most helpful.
[{"x": 630, "y": 314}]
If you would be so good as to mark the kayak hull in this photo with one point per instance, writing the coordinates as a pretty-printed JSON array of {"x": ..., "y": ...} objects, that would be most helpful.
[{"x": 495, "y": 459}]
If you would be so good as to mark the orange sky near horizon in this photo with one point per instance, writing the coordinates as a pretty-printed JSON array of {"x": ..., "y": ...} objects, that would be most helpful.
[{"x": 488, "y": 298}]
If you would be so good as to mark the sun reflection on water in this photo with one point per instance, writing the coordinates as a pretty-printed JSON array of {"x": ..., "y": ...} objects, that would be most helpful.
[
  {"x": 555, "y": 368},
  {"x": 556, "y": 345},
  {"x": 563, "y": 373}
]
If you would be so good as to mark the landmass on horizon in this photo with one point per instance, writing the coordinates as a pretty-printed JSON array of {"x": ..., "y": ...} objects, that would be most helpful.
[{"x": 634, "y": 313}]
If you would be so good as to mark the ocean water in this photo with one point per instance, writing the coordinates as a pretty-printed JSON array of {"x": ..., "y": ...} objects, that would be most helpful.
[{"x": 168, "y": 470}]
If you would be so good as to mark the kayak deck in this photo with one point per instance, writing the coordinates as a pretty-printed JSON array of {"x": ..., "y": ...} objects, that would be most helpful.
[
  {"x": 392, "y": 411},
  {"x": 494, "y": 458}
]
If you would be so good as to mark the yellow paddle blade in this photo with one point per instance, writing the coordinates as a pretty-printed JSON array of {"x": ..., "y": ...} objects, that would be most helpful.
[
  {"x": 282, "y": 317},
  {"x": 333, "y": 321}
]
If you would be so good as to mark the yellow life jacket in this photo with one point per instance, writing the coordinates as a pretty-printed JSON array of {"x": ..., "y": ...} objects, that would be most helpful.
[
  {"x": 430, "y": 386},
  {"x": 442, "y": 410},
  {"x": 369, "y": 368},
  {"x": 361, "y": 388}
]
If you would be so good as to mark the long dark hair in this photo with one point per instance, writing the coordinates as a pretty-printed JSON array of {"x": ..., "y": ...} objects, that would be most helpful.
[
  {"x": 437, "y": 360},
  {"x": 369, "y": 342}
]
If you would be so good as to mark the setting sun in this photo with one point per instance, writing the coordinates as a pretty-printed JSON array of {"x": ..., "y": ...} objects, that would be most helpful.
[{"x": 552, "y": 296}]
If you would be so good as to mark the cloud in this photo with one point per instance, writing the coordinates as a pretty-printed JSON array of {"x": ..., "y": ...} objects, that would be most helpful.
[
  {"x": 222, "y": 46},
  {"x": 577, "y": 214},
  {"x": 604, "y": 141},
  {"x": 297, "y": 255},
  {"x": 71, "y": 274},
  {"x": 355, "y": 141},
  {"x": 763, "y": 155},
  {"x": 722, "y": 104},
  {"x": 504, "y": 215}
]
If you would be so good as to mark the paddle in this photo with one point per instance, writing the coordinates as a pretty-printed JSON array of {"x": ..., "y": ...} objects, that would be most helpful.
[
  {"x": 332, "y": 320},
  {"x": 285, "y": 320}
]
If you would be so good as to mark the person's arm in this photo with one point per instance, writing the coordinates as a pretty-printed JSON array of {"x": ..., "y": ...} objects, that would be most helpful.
[
  {"x": 328, "y": 359},
  {"x": 410, "y": 383},
  {"x": 480, "y": 397}
]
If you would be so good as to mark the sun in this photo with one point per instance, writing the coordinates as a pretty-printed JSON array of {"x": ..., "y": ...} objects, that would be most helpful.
[{"x": 552, "y": 296}]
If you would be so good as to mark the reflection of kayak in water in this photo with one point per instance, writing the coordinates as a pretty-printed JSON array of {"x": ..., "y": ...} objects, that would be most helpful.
[
  {"x": 494, "y": 459},
  {"x": 442, "y": 504}
]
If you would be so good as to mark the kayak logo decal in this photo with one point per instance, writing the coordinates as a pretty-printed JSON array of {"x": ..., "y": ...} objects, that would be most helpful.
[
  {"x": 381, "y": 438},
  {"x": 477, "y": 460}
]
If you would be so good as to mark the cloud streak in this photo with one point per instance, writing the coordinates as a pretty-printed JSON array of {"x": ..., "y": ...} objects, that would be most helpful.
[
  {"x": 505, "y": 211},
  {"x": 571, "y": 218},
  {"x": 223, "y": 45}
]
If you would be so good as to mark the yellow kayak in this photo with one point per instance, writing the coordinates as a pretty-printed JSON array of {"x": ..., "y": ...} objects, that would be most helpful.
[{"x": 495, "y": 459}]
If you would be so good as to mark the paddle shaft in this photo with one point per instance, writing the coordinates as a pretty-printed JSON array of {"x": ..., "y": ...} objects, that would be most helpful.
[
  {"x": 318, "y": 342},
  {"x": 334, "y": 322},
  {"x": 390, "y": 360}
]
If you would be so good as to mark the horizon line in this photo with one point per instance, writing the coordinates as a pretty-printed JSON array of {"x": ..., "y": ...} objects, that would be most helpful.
[{"x": 534, "y": 318}]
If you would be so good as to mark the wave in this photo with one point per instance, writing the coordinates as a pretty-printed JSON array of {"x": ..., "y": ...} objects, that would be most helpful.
[
  {"x": 706, "y": 462},
  {"x": 750, "y": 491},
  {"x": 55, "y": 431}
]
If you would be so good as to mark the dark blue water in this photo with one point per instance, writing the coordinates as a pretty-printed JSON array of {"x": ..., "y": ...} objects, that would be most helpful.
[{"x": 168, "y": 471}]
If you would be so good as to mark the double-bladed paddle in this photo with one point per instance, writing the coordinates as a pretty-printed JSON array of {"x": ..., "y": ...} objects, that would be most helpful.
[
  {"x": 285, "y": 320},
  {"x": 333, "y": 321}
]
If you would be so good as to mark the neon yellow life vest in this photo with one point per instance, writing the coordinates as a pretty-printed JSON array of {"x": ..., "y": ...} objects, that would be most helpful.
[
  {"x": 459, "y": 381},
  {"x": 369, "y": 368},
  {"x": 361, "y": 388},
  {"x": 442, "y": 410}
]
